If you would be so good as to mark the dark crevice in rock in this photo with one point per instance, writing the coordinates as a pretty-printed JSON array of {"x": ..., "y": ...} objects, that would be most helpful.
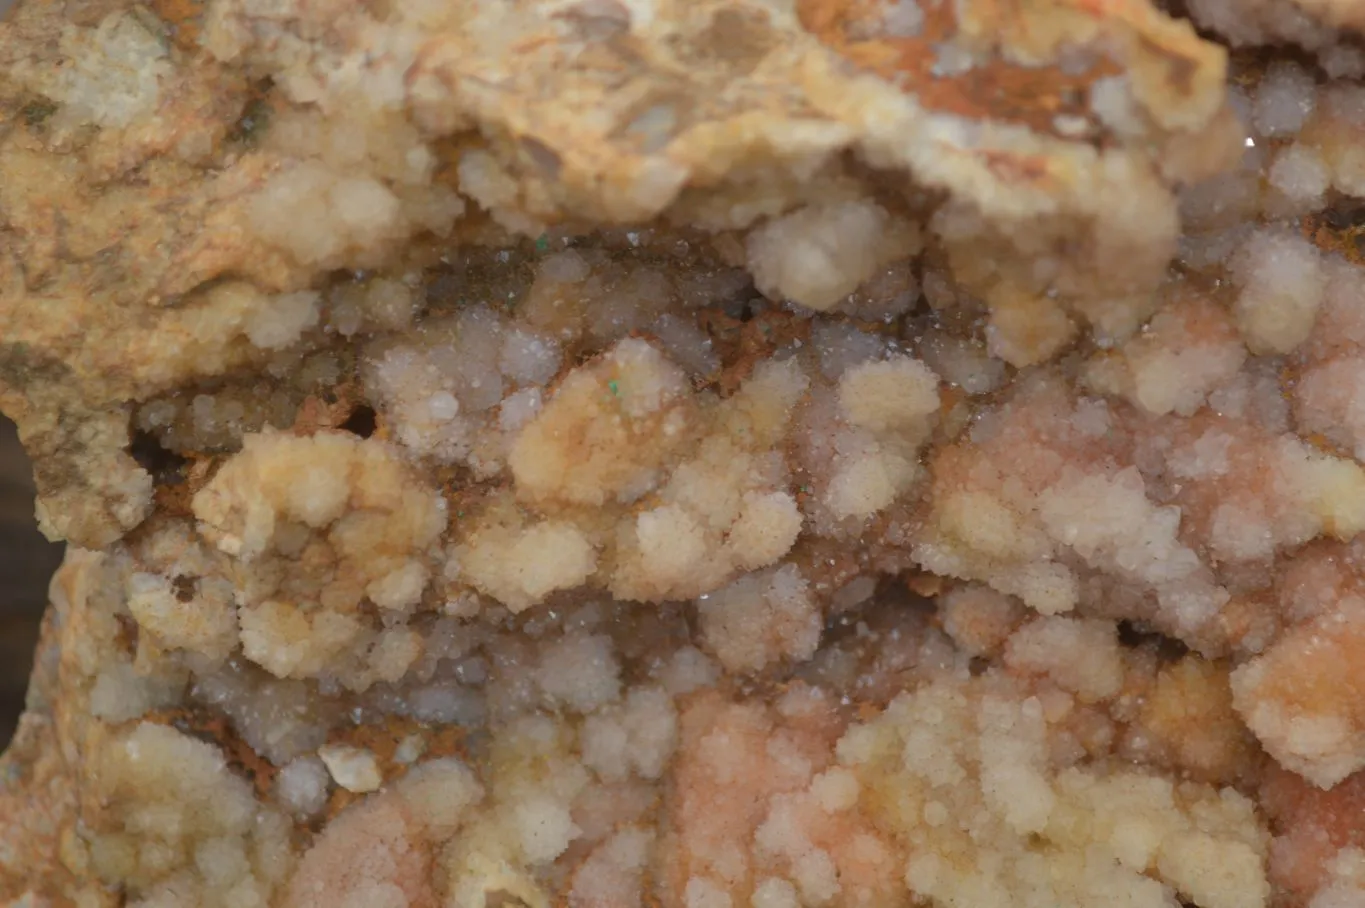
[
  {"x": 166, "y": 466},
  {"x": 1134, "y": 635},
  {"x": 362, "y": 421}
]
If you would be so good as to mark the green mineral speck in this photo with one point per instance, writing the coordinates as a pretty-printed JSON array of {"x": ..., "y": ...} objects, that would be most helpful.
[
  {"x": 615, "y": 388},
  {"x": 543, "y": 243}
]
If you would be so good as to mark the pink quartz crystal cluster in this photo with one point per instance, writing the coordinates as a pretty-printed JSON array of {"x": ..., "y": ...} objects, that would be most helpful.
[{"x": 689, "y": 453}]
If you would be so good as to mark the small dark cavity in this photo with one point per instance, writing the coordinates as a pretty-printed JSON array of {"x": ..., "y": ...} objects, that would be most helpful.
[
  {"x": 255, "y": 115},
  {"x": 184, "y": 588},
  {"x": 1343, "y": 216},
  {"x": 890, "y": 607},
  {"x": 166, "y": 466},
  {"x": 38, "y": 111},
  {"x": 977, "y": 665},
  {"x": 362, "y": 421},
  {"x": 750, "y": 308},
  {"x": 194, "y": 725},
  {"x": 1177, "y": 9},
  {"x": 1133, "y": 635}
]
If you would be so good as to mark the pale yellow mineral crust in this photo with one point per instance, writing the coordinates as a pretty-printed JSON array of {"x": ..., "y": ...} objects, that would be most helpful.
[{"x": 687, "y": 453}]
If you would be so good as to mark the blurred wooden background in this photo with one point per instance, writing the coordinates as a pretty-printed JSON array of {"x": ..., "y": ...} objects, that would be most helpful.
[{"x": 27, "y": 561}]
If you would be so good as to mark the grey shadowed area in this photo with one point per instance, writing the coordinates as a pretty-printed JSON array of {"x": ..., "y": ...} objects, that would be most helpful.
[{"x": 27, "y": 561}]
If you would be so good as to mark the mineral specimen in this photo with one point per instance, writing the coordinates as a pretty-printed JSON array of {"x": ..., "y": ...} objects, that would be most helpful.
[{"x": 693, "y": 453}]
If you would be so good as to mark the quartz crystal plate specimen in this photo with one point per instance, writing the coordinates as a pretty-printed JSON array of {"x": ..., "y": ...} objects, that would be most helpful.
[{"x": 689, "y": 453}]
